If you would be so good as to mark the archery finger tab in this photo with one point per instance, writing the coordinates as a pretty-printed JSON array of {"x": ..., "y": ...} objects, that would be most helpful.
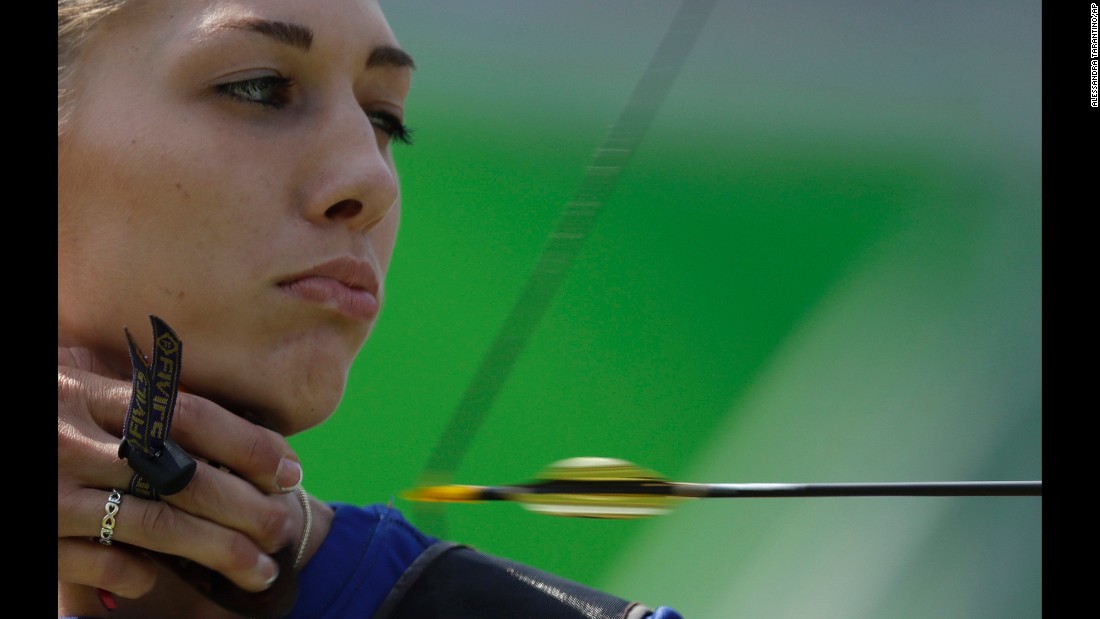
[
  {"x": 167, "y": 471},
  {"x": 145, "y": 445}
]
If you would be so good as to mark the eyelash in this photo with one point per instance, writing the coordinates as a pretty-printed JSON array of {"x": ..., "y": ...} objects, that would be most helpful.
[
  {"x": 391, "y": 126},
  {"x": 273, "y": 91},
  {"x": 269, "y": 90}
]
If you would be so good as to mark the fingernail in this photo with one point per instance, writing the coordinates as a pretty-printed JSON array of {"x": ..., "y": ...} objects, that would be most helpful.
[
  {"x": 107, "y": 599},
  {"x": 267, "y": 565},
  {"x": 288, "y": 475}
]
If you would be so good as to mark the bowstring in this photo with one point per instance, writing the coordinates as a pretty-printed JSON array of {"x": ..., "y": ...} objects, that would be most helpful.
[{"x": 575, "y": 222}]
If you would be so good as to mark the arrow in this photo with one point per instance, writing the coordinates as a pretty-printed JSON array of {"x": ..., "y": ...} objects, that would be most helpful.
[{"x": 612, "y": 488}]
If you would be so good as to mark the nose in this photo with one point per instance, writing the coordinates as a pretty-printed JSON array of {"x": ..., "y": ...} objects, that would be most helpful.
[{"x": 351, "y": 181}]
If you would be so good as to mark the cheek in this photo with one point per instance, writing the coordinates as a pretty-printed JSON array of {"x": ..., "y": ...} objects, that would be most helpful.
[
  {"x": 165, "y": 170},
  {"x": 105, "y": 238},
  {"x": 144, "y": 227}
]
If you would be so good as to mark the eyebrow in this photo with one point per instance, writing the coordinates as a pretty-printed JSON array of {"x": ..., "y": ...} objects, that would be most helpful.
[
  {"x": 390, "y": 56},
  {"x": 294, "y": 35},
  {"x": 297, "y": 35}
]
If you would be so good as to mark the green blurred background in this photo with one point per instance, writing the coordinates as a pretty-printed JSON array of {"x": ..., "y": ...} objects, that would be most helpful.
[{"x": 823, "y": 263}]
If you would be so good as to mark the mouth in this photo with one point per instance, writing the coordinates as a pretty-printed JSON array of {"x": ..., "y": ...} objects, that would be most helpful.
[{"x": 346, "y": 286}]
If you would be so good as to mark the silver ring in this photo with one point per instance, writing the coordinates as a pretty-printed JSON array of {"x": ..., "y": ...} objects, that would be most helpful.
[
  {"x": 307, "y": 525},
  {"x": 107, "y": 526}
]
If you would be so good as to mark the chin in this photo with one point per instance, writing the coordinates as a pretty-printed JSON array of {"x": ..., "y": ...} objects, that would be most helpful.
[
  {"x": 308, "y": 409},
  {"x": 286, "y": 411},
  {"x": 287, "y": 398}
]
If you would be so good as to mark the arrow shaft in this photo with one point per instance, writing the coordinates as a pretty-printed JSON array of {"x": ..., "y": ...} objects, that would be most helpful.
[
  {"x": 952, "y": 488},
  {"x": 690, "y": 490}
]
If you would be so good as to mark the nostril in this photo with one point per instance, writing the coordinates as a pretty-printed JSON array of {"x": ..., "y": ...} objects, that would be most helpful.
[{"x": 345, "y": 209}]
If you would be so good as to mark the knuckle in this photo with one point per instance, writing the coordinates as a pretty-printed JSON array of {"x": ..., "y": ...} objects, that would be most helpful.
[
  {"x": 186, "y": 417},
  {"x": 77, "y": 448},
  {"x": 68, "y": 504},
  {"x": 271, "y": 522},
  {"x": 68, "y": 436},
  {"x": 159, "y": 520},
  {"x": 201, "y": 484},
  {"x": 255, "y": 449},
  {"x": 120, "y": 573},
  {"x": 259, "y": 453},
  {"x": 239, "y": 554},
  {"x": 68, "y": 387}
]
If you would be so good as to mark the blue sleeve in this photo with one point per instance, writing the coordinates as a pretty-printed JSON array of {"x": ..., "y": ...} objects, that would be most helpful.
[{"x": 366, "y": 551}]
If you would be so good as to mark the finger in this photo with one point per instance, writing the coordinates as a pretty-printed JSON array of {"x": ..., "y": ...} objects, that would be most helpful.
[
  {"x": 213, "y": 494},
  {"x": 257, "y": 454},
  {"x": 87, "y": 453},
  {"x": 83, "y": 395},
  {"x": 87, "y": 458},
  {"x": 226, "y": 501},
  {"x": 201, "y": 427},
  {"x": 118, "y": 570},
  {"x": 160, "y": 527},
  {"x": 221, "y": 497}
]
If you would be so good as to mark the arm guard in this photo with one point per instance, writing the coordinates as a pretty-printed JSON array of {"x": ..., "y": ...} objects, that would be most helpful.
[{"x": 450, "y": 580}]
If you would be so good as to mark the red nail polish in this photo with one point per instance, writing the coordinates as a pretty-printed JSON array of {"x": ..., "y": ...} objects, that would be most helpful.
[{"x": 106, "y": 599}]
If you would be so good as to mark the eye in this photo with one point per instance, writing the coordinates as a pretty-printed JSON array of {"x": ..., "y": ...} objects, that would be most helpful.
[
  {"x": 269, "y": 90},
  {"x": 389, "y": 124}
]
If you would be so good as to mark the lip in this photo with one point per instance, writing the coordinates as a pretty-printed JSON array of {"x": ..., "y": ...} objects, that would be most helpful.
[{"x": 345, "y": 285}]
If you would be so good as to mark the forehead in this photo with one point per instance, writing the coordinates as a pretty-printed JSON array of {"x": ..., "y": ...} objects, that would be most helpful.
[{"x": 330, "y": 21}]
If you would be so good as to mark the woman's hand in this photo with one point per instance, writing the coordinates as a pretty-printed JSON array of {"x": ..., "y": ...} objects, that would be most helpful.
[{"x": 229, "y": 522}]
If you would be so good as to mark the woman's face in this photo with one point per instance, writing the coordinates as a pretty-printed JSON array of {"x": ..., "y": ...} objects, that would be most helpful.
[{"x": 227, "y": 166}]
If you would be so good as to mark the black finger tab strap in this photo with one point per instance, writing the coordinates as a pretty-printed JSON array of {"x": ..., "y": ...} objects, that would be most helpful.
[{"x": 162, "y": 466}]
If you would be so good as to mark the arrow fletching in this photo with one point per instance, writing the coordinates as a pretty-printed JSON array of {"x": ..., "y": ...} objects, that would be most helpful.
[
  {"x": 584, "y": 487},
  {"x": 599, "y": 488}
]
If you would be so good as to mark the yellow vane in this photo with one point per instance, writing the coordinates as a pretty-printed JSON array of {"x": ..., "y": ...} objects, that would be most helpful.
[{"x": 571, "y": 487}]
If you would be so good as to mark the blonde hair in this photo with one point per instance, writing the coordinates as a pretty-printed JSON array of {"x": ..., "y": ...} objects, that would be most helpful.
[{"x": 76, "y": 19}]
